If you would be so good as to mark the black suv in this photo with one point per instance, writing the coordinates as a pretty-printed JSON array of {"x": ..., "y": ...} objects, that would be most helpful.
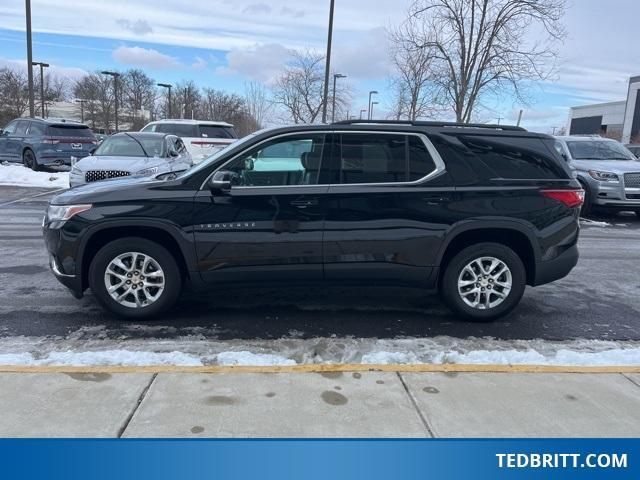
[{"x": 477, "y": 211}]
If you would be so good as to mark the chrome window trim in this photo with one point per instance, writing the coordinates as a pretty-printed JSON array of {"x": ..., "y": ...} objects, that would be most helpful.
[{"x": 435, "y": 156}]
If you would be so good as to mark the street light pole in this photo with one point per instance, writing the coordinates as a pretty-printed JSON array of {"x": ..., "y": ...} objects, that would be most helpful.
[
  {"x": 115, "y": 76},
  {"x": 333, "y": 107},
  {"x": 27, "y": 5},
  {"x": 42, "y": 67},
  {"x": 372, "y": 92},
  {"x": 371, "y": 110},
  {"x": 168, "y": 87},
  {"x": 81, "y": 102},
  {"x": 327, "y": 65},
  {"x": 362, "y": 112}
]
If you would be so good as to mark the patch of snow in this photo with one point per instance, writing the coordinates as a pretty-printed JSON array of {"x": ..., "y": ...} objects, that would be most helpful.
[
  {"x": 389, "y": 358},
  {"x": 593, "y": 223},
  {"x": 101, "y": 358},
  {"x": 95, "y": 346},
  {"x": 253, "y": 359},
  {"x": 21, "y": 176}
]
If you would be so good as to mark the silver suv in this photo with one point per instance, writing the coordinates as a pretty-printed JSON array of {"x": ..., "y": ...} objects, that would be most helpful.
[{"x": 608, "y": 172}]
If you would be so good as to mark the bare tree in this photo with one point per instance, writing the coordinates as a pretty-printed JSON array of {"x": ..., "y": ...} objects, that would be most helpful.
[
  {"x": 414, "y": 82},
  {"x": 185, "y": 100},
  {"x": 138, "y": 94},
  {"x": 257, "y": 102},
  {"x": 482, "y": 47},
  {"x": 14, "y": 94},
  {"x": 299, "y": 88},
  {"x": 97, "y": 91}
]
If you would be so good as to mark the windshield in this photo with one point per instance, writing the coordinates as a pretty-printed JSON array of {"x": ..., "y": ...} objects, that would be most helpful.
[
  {"x": 599, "y": 150},
  {"x": 128, "y": 146}
]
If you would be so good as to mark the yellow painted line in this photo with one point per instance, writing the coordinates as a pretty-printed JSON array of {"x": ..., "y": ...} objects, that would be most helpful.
[{"x": 319, "y": 368}]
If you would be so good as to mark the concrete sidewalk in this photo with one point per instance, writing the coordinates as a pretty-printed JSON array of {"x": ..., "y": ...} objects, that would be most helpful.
[{"x": 328, "y": 404}]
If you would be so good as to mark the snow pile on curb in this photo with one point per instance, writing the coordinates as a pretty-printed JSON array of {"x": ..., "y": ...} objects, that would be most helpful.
[
  {"x": 103, "y": 358},
  {"x": 253, "y": 359},
  {"x": 20, "y": 176},
  {"x": 92, "y": 346}
]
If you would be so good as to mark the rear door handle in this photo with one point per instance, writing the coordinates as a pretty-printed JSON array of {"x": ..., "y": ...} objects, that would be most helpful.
[
  {"x": 304, "y": 202},
  {"x": 437, "y": 200}
]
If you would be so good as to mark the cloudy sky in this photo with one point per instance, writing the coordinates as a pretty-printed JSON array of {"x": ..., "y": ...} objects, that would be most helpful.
[{"x": 223, "y": 43}]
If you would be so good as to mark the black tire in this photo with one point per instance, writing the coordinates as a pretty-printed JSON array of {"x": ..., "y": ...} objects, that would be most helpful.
[
  {"x": 29, "y": 160},
  {"x": 449, "y": 283},
  {"x": 172, "y": 277}
]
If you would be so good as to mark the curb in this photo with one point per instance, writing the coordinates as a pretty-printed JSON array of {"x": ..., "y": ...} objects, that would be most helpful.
[{"x": 320, "y": 368}]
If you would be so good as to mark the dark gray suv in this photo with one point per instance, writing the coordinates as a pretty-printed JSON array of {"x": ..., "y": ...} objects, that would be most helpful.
[{"x": 37, "y": 142}]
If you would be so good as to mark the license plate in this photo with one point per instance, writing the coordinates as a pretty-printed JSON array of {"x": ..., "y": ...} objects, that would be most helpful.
[{"x": 76, "y": 146}]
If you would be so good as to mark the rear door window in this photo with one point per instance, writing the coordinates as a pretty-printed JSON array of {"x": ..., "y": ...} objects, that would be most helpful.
[
  {"x": 513, "y": 157},
  {"x": 11, "y": 128},
  {"x": 21, "y": 128},
  {"x": 382, "y": 158}
]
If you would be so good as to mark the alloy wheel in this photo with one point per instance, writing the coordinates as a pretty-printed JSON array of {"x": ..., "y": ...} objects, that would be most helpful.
[
  {"x": 485, "y": 283},
  {"x": 134, "y": 280}
]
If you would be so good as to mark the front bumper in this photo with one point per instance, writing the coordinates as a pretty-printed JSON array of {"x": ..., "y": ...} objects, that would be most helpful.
[
  {"x": 614, "y": 195},
  {"x": 62, "y": 265}
]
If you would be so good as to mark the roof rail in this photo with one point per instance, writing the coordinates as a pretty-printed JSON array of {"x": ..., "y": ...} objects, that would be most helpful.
[{"x": 421, "y": 123}]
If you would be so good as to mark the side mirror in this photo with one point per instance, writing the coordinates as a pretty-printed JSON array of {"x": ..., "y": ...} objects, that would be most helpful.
[
  {"x": 173, "y": 153},
  {"x": 220, "y": 182},
  {"x": 92, "y": 151}
]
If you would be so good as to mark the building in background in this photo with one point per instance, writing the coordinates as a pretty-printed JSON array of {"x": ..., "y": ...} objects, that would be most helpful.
[{"x": 619, "y": 120}]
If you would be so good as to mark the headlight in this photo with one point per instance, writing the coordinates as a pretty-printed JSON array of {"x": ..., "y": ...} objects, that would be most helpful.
[
  {"x": 604, "y": 176},
  {"x": 148, "y": 171},
  {"x": 57, "y": 213}
]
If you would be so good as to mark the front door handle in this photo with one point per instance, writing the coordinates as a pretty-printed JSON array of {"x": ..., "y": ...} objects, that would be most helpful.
[
  {"x": 433, "y": 201},
  {"x": 304, "y": 202}
]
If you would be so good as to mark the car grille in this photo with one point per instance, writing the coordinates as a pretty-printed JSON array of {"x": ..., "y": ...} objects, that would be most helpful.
[
  {"x": 632, "y": 180},
  {"x": 95, "y": 175}
]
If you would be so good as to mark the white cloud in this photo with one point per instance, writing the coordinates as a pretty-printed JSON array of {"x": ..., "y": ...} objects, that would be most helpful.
[
  {"x": 139, "y": 27},
  {"x": 144, "y": 58},
  {"x": 262, "y": 62},
  {"x": 53, "y": 69},
  {"x": 199, "y": 64},
  {"x": 257, "y": 9},
  {"x": 364, "y": 57}
]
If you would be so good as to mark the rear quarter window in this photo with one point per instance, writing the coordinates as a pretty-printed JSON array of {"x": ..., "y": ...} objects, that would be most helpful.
[
  {"x": 216, "y": 131},
  {"x": 514, "y": 157}
]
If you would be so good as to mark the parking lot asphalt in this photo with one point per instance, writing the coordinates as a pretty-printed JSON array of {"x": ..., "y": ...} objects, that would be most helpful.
[{"x": 600, "y": 299}]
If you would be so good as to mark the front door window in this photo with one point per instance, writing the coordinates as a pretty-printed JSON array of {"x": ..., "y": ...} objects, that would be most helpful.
[{"x": 293, "y": 160}]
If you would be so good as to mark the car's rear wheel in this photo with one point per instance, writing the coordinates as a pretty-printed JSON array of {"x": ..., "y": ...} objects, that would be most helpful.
[
  {"x": 29, "y": 160},
  {"x": 135, "y": 278},
  {"x": 483, "y": 282}
]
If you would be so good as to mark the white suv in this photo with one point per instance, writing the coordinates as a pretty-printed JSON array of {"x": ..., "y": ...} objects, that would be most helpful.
[{"x": 202, "y": 138}]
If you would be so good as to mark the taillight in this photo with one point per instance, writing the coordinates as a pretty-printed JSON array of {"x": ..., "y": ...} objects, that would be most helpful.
[
  {"x": 51, "y": 141},
  {"x": 570, "y": 198}
]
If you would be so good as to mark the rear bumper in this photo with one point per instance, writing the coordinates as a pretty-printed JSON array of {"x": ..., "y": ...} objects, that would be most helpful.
[{"x": 559, "y": 267}]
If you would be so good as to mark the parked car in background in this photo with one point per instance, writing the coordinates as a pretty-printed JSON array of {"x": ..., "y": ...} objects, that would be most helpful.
[
  {"x": 132, "y": 154},
  {"x": 202, "y": 138},
  {"x": 635, "y": 149},
  {"x": 476, "y": 211},
  {"x": 608, "y": 172},
  {"x": 38, "y": 142}
]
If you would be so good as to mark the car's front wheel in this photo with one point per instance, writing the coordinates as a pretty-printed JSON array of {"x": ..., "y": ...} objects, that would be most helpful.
[
  {"x": 29, "y": 160},
  {"x": 135, "y": 278},
  {"x": 483, "y": 282}
]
